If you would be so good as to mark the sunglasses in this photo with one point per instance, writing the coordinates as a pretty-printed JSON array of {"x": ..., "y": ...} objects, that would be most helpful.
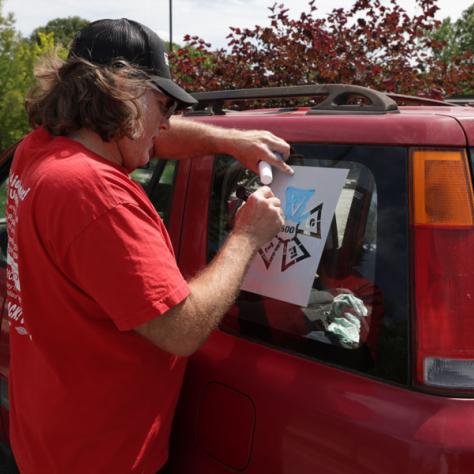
[{"x": 168, "y": 109}]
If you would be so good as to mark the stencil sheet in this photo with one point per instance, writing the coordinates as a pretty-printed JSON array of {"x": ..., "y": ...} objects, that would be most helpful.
[{"x": 285, "y": 267}]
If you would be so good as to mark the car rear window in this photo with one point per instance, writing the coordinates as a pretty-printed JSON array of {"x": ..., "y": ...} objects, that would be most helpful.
[{"x": 358, "y": 313}]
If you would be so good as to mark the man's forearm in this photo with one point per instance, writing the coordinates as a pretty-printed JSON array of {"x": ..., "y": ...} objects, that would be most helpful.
[
  {"x": 217, "y": 286},
  {"x": 215, "y": 289},
  {"x": 189, "y": 139},
  {"x": 184, "y": 328}
]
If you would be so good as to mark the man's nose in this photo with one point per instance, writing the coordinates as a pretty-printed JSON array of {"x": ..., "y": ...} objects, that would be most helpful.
[{"x": 165, "y": 124}]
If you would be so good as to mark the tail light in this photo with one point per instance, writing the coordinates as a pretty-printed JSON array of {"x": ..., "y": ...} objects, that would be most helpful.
[{"x": 443, "y": 264}]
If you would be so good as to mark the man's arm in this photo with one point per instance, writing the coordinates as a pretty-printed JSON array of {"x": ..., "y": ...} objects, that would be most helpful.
[
  {"x": 183, "y": 329},
  {"x": 189, "y": 139}
]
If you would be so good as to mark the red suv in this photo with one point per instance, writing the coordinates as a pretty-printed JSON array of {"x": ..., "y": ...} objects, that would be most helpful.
[{"x": 278, "y": 388}]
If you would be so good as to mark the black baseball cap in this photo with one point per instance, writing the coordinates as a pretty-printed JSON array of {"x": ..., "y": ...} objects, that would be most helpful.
[{"x": 106, "y": 41}]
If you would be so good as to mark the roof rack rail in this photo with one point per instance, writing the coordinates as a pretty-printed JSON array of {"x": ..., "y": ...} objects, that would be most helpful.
[
  {"x": 418, "y": 100},
  {"x": 462, "y": 100},
  {"x": 336, "y": 99}
]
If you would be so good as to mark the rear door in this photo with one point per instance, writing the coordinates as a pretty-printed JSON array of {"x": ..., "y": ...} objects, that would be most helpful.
[{"x": 284, "y": 389}]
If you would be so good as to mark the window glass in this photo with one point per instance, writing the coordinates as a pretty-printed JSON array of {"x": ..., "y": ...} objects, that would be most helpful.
[
  {"x": 158, "y": 181},
  {"x": 358, "y": 310},
  {"x": 143, "y": 175}
]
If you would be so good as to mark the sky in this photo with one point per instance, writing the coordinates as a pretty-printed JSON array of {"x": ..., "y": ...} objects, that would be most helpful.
[{"x": 208, "y": 19}]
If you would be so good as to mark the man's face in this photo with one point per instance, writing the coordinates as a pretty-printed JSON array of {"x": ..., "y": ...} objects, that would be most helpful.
[{"x": 137, "y": 153}]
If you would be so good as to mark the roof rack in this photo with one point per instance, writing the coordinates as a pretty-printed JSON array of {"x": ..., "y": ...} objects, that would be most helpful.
[
  {"x": 336, "y": 99},
  {"x": 467, "y": 100},
  {"x": 418, "y": 100}
]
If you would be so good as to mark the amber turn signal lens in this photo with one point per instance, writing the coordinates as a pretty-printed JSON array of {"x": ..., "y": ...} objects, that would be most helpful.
[{"x": 442, "y": 188}]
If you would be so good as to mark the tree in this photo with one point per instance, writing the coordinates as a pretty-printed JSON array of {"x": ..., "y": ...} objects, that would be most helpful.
[
  {"x": 465, "y": 30},
  {"x": 455, "y": 38},
  {"x": 17, "y": 57},
  {"x": 63, "y": 29},
  {"x": 374, "y": 43},
  {"x": 13, "y": 78},
  {"x": 455, "y": 41}
]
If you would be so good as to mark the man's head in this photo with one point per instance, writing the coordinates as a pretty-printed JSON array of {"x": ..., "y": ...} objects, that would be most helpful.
[
  {"x": 102, "y": 85},
  {"x": 105, "y": 42}
]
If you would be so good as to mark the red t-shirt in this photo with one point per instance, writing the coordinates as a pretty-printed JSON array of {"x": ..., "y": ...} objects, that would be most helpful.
[{"x": 89, "y": 260}]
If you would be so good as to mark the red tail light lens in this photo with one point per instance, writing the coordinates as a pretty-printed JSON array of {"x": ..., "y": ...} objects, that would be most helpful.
[{"x": 443, "y": 228}]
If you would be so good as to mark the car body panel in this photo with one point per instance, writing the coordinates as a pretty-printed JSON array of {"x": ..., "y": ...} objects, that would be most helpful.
[{"x": 316, "y": 418}]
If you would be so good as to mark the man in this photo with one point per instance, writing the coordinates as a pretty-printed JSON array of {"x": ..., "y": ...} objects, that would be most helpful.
[{"x": 100, "y": 317}]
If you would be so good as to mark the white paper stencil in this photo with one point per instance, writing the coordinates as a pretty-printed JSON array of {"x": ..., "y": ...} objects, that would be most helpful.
[{"x": 285, "y": 267}]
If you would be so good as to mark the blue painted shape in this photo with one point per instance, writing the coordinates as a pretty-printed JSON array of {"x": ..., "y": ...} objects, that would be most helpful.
[{"x": 296, "y": 200}]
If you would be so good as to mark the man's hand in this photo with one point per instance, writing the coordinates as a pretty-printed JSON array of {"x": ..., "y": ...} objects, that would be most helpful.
[
  {"x": 251, "y": 146},
  {"x": 260, "y": 218}
]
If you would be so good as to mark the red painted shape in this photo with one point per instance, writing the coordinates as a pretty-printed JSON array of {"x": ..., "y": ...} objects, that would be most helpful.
[{"x": 225, "y": 425}]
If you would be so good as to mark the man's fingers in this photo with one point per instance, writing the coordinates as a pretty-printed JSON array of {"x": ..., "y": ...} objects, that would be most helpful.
[
  {"x": 262, "y": 216},
  {"x": 281, "y": 215},
  {"x": 271, "y": 200},
  {"x": 279, "y": 145},
  {"x": 252, "y": 146},
  {"x": 274, "y": 201},
  {"x": 275, "y": 152},
  {"x": 282, "y": 166},
  {"x": 264, "y": 192}
]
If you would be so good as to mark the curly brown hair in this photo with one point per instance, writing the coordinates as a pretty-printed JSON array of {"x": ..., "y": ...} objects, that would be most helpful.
[{"x": 74, "y": 94}]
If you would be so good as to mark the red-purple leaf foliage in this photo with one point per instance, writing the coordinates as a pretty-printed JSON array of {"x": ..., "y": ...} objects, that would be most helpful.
[{"x": 374, "y": 43}]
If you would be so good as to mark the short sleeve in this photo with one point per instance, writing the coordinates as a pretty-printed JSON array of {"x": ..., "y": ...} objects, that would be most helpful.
[{"x": 124, "y": 261}]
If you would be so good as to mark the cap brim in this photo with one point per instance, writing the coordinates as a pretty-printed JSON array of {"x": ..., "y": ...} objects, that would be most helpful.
[{"x": 173, "y": 90}]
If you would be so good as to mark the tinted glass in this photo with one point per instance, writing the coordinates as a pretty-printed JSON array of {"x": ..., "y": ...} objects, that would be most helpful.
[
  {"x": 158, "y": 181},
  {"x": 357, "y": 315},
  {"x": 143, "y": 175}
]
